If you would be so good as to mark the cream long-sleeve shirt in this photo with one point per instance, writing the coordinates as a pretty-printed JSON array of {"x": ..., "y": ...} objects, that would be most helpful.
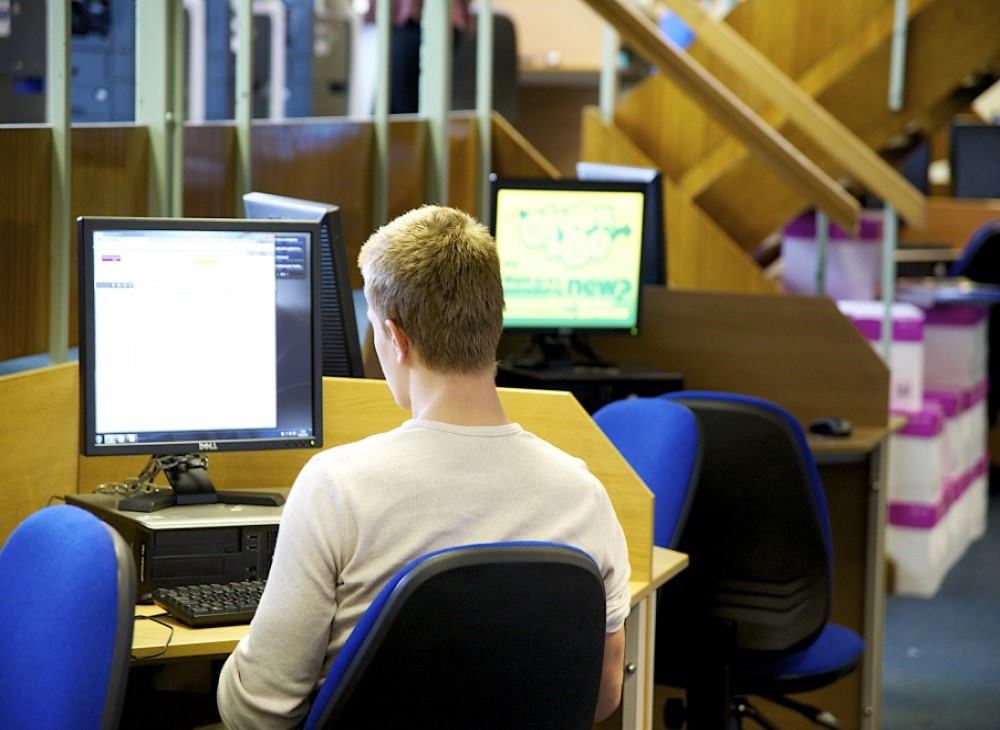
[{"x": 359, "y": 512}]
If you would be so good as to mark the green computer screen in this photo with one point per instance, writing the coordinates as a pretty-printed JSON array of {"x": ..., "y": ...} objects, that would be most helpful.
[{"x": 570, "y": 253}]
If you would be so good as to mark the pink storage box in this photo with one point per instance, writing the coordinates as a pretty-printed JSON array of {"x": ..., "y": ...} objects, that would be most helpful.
[
  {"x": 967, "y": 429},
  {"x": 853, "y": 265},
  {"x": 917, "y": 468},
  {"x": 916, "y": 539},
  {"x": 955, "y": 346},
  {"x": 906, "y": 350}
]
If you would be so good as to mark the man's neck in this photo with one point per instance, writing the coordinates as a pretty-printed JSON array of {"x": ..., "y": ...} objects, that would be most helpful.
[{"x": 461, "y": 400}]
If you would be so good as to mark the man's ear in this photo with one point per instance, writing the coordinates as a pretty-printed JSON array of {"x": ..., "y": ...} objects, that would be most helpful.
[{"x": 399, "y": 340}]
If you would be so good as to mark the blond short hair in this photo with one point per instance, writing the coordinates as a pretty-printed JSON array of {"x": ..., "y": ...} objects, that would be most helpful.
[{"x": 435, "y": 272}]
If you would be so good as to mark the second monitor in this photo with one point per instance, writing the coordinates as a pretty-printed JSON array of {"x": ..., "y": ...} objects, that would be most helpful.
[
  {"x": 571, "y": 254},
  {"x": 341, "y": 343}
]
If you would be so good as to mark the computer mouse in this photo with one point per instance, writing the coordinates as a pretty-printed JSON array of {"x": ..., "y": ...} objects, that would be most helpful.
[{"x": 831, "y": 426}]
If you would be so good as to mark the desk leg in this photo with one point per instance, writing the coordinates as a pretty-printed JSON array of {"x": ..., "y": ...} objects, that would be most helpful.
[
  {"x": 637, "y": 689},
  {"x": 874, "y": 626}
]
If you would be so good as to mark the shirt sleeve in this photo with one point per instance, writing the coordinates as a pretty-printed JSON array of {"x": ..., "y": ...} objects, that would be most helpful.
[
  {"x": 615, "y": 566},
  {"x": 269, "y": 679}
]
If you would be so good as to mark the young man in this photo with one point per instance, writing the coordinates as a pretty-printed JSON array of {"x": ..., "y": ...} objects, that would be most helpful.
[{"x": 457, "y": 472}]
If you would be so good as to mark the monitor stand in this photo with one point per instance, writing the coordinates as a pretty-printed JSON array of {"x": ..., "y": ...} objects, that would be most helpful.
[
  {"x": 190, "y": 484},
  {"x": 566, "y": 362},
  {"x": 560, "y": 352}
]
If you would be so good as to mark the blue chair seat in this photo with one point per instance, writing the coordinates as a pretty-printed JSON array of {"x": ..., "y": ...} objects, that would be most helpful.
[{"x": 835, "y": 653}]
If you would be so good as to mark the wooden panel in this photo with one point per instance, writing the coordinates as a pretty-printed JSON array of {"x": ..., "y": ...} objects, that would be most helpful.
[
  {"x": 699, "y": 253},
  {"x": 819, "y": 126},
  {"x": 514, "y": 156},
  {"x": 549, "y": 116},
  {"x": 837, "y": 53},
  {"x": 463, "y": 159},
  {"x": 798, "y": 351},
  {"x": 110, "y": 167},
  {"x": 354, "y": 409},
  {"x": 39, "y": 427},
  {"x": 408, "y": 160},
  {"x": 325, "y": 160},
  {"x": 953, "y": 221},
  {"x": 946, "y": 41},
  {"x": 109, "y": 177},
  {"x": 739, "y": 119},
  {"x": 210, "y": 172},
  {"x": 25, "y": 194}
]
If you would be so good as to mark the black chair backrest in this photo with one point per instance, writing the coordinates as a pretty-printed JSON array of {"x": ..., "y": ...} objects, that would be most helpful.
[
  {"x": 484, "y": 636},
  {"x": 757, "y": 534},
  {"x": 505, "y": 69},
  {"x": 980, "y": 262}
]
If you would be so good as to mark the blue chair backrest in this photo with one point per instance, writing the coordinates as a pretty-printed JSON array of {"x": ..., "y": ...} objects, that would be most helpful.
[
  {"x": 67, "y": 605},
  {"x": 980, "y": 259},
  {"x": 448, "y": 640},
  {"x": 661, "y": 441}
]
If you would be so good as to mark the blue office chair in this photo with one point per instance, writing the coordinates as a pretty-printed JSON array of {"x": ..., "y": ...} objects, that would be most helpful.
[
  {"x": 661, "y": 441},
  {"x": 750, "y": 616},
  {"x": 67, "y": 605},
  {"x": 487, "y": 636}
]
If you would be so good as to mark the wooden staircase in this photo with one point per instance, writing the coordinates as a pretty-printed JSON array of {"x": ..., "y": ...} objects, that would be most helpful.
[{"x": 817, "y": 74}]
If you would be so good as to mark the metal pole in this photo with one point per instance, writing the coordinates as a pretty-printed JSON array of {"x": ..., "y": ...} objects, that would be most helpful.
[
  {"x": 383, "y": 80},
  {"x": 484, "y": 103},
  {"x": 435, "y": 93},
  {"x": 897, "y": 57},
  {"x": 822, "y": 246},
  {"x": 57, "y": 99},
  {"x": 608, "y": 91},
  {"x": 243, "y": 101},
  {"x": 157, "y": 90}
]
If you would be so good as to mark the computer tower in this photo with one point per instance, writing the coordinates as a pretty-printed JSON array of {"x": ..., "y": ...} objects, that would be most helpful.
[{"x": 191, "y": 544}]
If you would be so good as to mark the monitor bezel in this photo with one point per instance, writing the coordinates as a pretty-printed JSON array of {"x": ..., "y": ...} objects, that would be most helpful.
[
  {"x": 654, "y": 248},
  {"x": 260, "y": 205},
  {"x": 499, "y": 183},
  {"x": 86, "y": 227}
]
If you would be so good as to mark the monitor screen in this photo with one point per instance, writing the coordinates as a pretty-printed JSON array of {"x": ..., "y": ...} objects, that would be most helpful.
[
  {"x": 341, "y": 341},
  {"x": 570, "y": 253},
  {"x": 198, "y": 335}
]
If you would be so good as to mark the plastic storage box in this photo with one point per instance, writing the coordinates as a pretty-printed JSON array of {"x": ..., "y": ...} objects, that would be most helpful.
[{"x": 853, "y": 265}]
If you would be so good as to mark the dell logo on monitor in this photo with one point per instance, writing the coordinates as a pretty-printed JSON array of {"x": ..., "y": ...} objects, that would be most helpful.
[{"x": 208, "y": 446}]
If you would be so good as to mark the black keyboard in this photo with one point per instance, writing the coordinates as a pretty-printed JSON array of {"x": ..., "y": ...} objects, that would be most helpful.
[{"x": 211, "y": 604}]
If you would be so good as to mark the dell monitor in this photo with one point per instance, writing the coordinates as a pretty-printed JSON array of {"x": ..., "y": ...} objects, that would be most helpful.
[
  {"x": 570, "y": 259},
  {"x": 198, "y": 336},
  {"x": 341, "y": 343}
]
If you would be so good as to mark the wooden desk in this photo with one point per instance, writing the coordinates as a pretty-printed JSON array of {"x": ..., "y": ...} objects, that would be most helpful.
[{"x": 637, "y": 700}]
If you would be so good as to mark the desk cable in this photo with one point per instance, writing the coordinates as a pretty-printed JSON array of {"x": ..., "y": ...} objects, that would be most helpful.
[{"x": 170, "y": 636}]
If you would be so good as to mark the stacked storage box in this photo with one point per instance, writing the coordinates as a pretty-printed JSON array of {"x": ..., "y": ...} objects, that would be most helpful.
[
  {"x": 955, "y": 365},
  {"x": 932, "y": 524},
  {"x": 918, "y": 538},
  {"x": 853, "y": 264},
  {"x": 938, "y": 463},
  {"x": 906, "y": 351}
]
